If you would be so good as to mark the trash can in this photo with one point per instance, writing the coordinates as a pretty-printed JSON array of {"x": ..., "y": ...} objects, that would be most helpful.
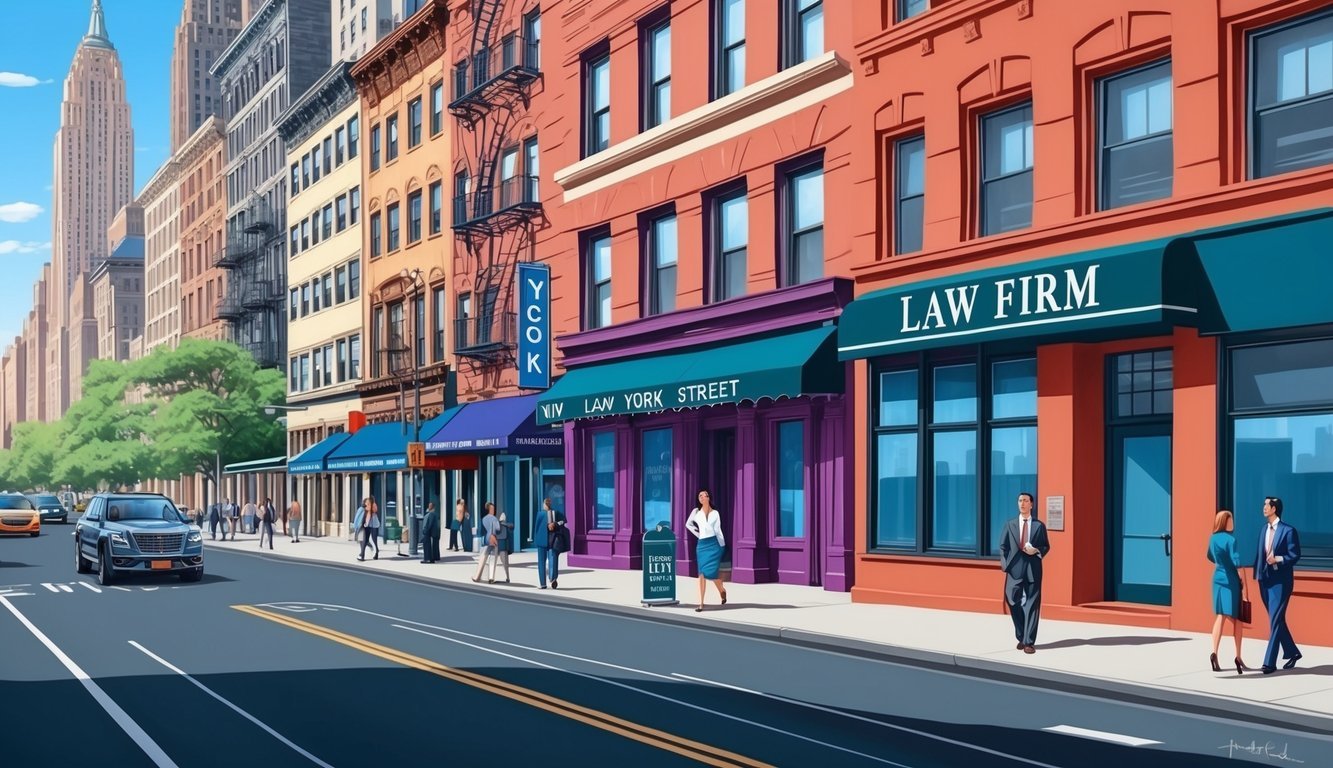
[
  {"x": 659, "y": 566},
  {"x": 393, "y": 530}
]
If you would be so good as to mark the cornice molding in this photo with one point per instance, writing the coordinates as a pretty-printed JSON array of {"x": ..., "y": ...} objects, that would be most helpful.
[
  {"x": 403, "y": 54},
  {"x": 330, "y": 95}
]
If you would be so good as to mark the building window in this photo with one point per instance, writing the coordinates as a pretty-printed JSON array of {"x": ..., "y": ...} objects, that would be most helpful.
[
  {"x": 374, "y": 148},
  {"x": 934, "y": 464},
  {"x": 341, "y": 204},
  {"x": 804, "y": 218},
  {"x": 790, "y": 445},
  {"x": 660, "y": 256},
  {"x": 1292, "y": 96},
  {"x": 295, "y": 247},
  {"x": 353, "y": 136},
  {"x": 296, "y": 179},
  {"x": 728, "y": 47},
  {"x": 391, "y": 142},
  {"x": 342, "y": 360},
  {"x": 305, "y": 171},
  {"x": 354, "y": 357},
  {"x": 597, "y": 279},
  {"x": 316, "y": 295},
  {"x": 328, "y": 155},
  {"x": 414, "y": 122},
  {"x": 436, "y": 207},
  {"x": 1006, "y": 161},
  {"x": 1136, "y": 141},
  {"x": 414, "y": 217},
  {"x": 314, "y": 228},
  {"x": 327, "y": 221},
  {"x": 391, "y": 213},
  {"x": 293, "y": 303},
  {"x": 604, "y": 480},
  {"x": 803, "y": 30},
  {"x": 419, "y": 330},
  {"x": 340, "y": 284},
  {"x": 317, "y": 363},
  {"x": 729, "y": 244},
  {"x": 906, "y": 9},
  {"x": 316, "y": 163},
  {"x": 462, "y": 334},
  {"x": 656, "y": 58},
  {"x": 377, "y": 343},
  {"x": 657, "y": 475},
  {"x": 1143, "y": 384},
  {"x": 511, "y": 187},
  {"x": 305, "y": 234},
  {"x": 531, "y": 158},
  {"x": 532, "y": 37},
  {"x": 375, "y": 235},
  {"x": 396, "y": 347},
  {"x": 340, "y": 144},
  {"x": 305, "y": 299},
  {"x": 909, "y": 193},
  {"x": 354, "y": 280},
  {"x": 436, "y": 108},
  {"x": 437, "y": 323},
  {"x": 327, "y": 283},
  {"x": 1280, "y": 419},
  {"x": 597, "y": 96},
  {"x": 355, "y": 204}
]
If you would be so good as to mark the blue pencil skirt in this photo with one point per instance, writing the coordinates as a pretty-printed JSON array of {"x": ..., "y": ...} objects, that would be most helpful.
[{"x": 709, "y": 554}]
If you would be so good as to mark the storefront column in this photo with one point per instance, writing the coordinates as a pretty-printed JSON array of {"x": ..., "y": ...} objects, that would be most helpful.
[
  {"x": 750, "y": 561},
  {"x": 688, "y": 462},
  {"x": 832, "y": 494},
  {"x": 1194, "y": 479},
  {"x": 628, "y": 547}
]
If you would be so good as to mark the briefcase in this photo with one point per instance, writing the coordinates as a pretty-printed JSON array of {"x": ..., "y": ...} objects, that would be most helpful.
[{"x": 1246, "y": 607}]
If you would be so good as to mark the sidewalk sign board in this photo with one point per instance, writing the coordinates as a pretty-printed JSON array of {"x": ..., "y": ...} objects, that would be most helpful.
[{"x": 659, "y": 566}]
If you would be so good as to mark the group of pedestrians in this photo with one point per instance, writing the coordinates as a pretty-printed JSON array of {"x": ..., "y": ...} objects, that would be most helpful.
[{"x": 262, "y": 517}]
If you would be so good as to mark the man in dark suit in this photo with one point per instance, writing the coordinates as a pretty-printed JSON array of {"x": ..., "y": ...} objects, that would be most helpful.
[
  {"x": 430, "y": 534},
  {"x": 545, "y": 533},
  {"x": 1022, "y": 547},
  {"x": 1279, "y": 550}
]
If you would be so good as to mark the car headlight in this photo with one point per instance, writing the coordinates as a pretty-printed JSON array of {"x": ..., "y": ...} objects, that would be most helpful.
[
  {"x": 195, "y": 537},
  {"x": 118, "y": 540}
]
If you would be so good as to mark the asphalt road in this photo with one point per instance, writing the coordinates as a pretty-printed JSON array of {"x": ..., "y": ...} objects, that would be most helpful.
[{"x": 270, "y": 662}]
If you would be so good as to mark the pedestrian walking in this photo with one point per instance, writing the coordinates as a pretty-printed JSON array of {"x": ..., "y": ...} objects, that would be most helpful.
[
  {"x": 504, "y": 538},
  {"x": 490, "y": 546},
  {"x": 547, "y": 535},
  {"x": 1225, "y": 557},
  {"x": 456, "y": 525},
  {"x": 1022, "y": 546},
  {"x": 430, "y": 534},
  {"x": 1279, "y": 551},
  {"x": 368, "y": 527},
  {"x": 232, "y": 513},
  {"x": 465, "y": 527},
  {"x": 706, "y": 525},
  {"x": 214, "y": 520},
  {"x": 293, "y": 518},
  {"x": 249, "y": 517},
  {"x": 266, "y": 519}
]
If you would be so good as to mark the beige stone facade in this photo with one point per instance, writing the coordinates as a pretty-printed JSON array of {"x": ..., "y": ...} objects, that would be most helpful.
[
  {"x": 203, "y": 214},
  {"x": 206, "y": 28},
  {"x": 36, "y": 335},
  {"x": 13, "y": 368},
  {"x": 160, "y": 200},
  {"x": 81, "y": 335},
  {"x": 118, "y": 300}
]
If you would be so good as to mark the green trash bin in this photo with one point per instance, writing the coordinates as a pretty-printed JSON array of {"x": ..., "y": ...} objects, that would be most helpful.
[{"x": 393, "y": 530}]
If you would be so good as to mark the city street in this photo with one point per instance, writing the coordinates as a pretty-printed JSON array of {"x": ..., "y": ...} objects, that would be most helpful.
[{"x": 272, "y": 662}]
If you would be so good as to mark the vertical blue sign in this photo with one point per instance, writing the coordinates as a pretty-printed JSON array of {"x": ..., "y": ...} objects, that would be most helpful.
[{"x": 534, "y": 326}]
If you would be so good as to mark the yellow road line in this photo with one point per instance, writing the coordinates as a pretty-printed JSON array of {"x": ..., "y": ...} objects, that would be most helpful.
[{"x": 694, "y": 750}]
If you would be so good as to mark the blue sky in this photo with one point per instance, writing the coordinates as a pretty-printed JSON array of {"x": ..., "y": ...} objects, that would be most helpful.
[{"x": 37, "y": 42}]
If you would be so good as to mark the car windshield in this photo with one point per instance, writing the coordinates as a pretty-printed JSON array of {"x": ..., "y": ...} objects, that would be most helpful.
[
  {"x": 142, "y": 509},
  {"x": 44, "y": 498},
  {"x": 15, "y": 502}
]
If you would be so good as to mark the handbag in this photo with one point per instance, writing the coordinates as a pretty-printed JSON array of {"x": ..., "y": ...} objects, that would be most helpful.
[
  {"x": 1246, "y": 607},
  {"x": 560, "y": 539}
]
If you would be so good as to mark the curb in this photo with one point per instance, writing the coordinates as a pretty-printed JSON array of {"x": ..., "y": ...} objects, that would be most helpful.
[{"x": 1253, "y": 712}]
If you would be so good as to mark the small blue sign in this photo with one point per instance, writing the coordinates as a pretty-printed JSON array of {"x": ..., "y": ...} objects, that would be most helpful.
[{"x": 534, "y": 326}]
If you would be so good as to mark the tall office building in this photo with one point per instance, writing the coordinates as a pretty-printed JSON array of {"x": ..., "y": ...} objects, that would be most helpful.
[{"x": 205, "y": 30}]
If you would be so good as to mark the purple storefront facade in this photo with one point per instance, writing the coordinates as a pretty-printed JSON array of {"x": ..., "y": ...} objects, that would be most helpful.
[{"x": 772, "y": 447}]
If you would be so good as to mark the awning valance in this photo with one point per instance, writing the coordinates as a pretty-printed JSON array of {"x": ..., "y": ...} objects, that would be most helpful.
[
  {"x": 311, "y": 460},
  {"x": 501, "y": 424},
  {"x": 785, "y": 365},
  {"x": 380, "y": 447},
  {"x": 271, "y": 464}
]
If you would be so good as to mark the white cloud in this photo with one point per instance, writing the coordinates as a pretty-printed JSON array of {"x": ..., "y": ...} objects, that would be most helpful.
[
  {"x": 17, "y": 213},
  {"x": 15, "y": 246},
  {"x": 18, "y": 80}
]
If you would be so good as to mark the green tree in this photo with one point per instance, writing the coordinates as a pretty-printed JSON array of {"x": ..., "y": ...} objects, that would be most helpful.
[
  {"x": 103, "y": 439},
  {"x": 32, "y": 455},
  {"x": 204, "y": 403}
]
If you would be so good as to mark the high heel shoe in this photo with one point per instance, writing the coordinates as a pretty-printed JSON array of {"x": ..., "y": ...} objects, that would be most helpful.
[
  {"x": 1240, "y": 666},
  {"x": 724, "y": 598},
  {"x": 1213, "y": 658}
]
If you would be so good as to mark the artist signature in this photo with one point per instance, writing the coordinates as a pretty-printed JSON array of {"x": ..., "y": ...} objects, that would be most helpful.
[{"x": 1267, "y": 749}]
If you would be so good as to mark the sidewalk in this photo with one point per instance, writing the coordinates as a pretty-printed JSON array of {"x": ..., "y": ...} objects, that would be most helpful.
[{"x": 1097, "y": 659}]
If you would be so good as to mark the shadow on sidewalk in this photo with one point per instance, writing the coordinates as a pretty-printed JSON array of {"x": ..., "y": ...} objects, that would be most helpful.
[
  {"x": 1110, "y": 641},
  {"x": 13, "y": 564},
  {"x": 1326, "y": 671},
  {"x": 732, "y": 605}
]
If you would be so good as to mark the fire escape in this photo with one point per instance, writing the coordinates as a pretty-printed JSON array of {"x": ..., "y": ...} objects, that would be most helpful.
[
  {"x": 253, "y": 291},
  {"x": 497, "y": 208}
]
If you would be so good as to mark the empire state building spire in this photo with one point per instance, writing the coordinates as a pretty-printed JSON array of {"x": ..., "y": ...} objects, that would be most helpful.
[{"x": 97, "y": 37}]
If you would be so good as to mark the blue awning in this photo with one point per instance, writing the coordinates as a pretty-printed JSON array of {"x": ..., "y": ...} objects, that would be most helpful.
[
  {"x": 502, "y": 424},
  {"x": 311, "y": 460},
  {"x": 380, "y": 447},
  {"x": 271, "y": 464}
]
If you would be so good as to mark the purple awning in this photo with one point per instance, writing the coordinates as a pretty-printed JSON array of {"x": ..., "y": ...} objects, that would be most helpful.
[{"x": 503, "y": 424}]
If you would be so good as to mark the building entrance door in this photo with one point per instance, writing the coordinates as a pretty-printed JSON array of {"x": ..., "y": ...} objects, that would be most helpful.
[
  {"x": 721, "y": 484},
  {"x": 1140, "y": 514}
]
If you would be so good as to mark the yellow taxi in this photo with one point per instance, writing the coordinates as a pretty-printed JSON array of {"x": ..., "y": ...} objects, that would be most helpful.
[{"x": 19, "y": 515}]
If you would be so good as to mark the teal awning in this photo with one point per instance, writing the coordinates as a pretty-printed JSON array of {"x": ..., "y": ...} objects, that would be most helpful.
[
  {"x": 786, "y": 365},
  {"x": 311, "y": 460},
  {"x": 381, "y": 447},
  {"x": 271, "y": 464}
]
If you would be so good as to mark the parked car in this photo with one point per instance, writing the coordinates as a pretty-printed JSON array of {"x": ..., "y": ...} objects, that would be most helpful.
[
  {"x": 49, "y": 506},
  {"x": 19, "y": 515},
  {"x": 124, "y": 533}
]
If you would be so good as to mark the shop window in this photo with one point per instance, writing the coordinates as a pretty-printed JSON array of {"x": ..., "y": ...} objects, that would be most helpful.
[
  {"x": 660, "y": 256},
  {"x": 656, "y": 474},
  {"x": 1143, "y": 384},
  {"x": 1006, "y": 161},
  {"x": 655, "y": 89},
  {"x": 802, "y": 30},
  {"x": 604, "y": 480},
  {"x": 803, "y": 219},
  {"x": 909, "y": 194},
  {"x": 940, "y": 448},
  {"x": 1136, "y": 160},
  {"x": 1281, "y": 434},
  {"x": 1291, "y": 99},
  {"x": 791, "y": 479},
  {"x": 728, "y": 47}
]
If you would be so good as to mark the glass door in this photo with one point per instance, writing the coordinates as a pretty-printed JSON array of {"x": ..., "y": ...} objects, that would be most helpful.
[{"x": 1140, "y": 514}]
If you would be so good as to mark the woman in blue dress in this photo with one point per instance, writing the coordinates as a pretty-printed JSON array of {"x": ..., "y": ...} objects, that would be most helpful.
[
  {"x": 1226, "y": 583},
  {"x": 706, "y": 525}
]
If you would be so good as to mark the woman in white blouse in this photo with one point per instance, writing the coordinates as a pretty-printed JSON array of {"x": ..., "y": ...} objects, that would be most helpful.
[{"x": 706, "y": 525}]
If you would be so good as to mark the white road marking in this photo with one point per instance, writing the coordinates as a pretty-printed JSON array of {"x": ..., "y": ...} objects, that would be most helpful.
[
  {"x": 659, "y": 696},
  {"x": 122, "y": 589},
  {"x": 65, "y": 588},
  {"x": 149, "y": 589},
  {"x": 86, "y": 585},
  {"x": 126, "y": 723},
  {"x": 7, "y": 593},
  {"x": 51, "y": 587},
  {"x": 232, "y": 706},
  {"x": 295, "y": 609},
  {"x": 1114, "y": 738}
]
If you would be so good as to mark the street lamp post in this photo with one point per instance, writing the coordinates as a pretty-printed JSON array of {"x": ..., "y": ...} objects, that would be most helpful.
[{"x": 413, "y": 532}]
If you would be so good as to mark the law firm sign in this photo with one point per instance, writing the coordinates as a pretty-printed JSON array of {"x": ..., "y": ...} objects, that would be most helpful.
[{"x": 534, "y": 326}]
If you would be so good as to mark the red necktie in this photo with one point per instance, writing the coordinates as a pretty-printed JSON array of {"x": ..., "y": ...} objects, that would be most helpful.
[{"x": 1023, "y": 535}]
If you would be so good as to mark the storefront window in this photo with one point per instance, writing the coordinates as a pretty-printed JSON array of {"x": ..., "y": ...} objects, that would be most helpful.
[
  {"x": 897, "y": 399},
  {"x": 604, "y": 479},
  {"x": 896, "y": 502},
  {"x": 791, "y": 479},
  {"x": 954, "y": 512},
  {"x": 1013, "y": 470},
  {"x": 656, "y": 474}
]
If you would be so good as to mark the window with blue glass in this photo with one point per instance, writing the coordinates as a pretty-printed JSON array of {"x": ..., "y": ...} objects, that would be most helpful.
[
  {"x": 1006, "y": 170},
  {"x": 790, "y": 448},
  {"x": 1281, "y": 441},
  {"x": 655, "y": 473},
  {"x": 955, "y": 442},
  {"x": 1136, "y": 163},
  {"x": 604, "y": 480},
  {"x": 909, "y": 213},
  {"x": 728, "y": 47},
  {"x": 1291, "y": 96}
]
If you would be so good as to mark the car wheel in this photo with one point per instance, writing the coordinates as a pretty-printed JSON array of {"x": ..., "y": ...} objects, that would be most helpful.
[
  {"x": 35, "y": 534},
  {"x": 104, "y": 573},
  {"x": 193, "y": 575},
  {"x": 64, "y": 520},
  {"x": 81, "y": 563}
]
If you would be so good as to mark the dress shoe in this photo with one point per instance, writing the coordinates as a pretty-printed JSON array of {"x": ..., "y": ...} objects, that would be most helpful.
[
  {"x": 1291, "y": 663},
  {"x": 1267, "y": 670},
  {"x": 1021, "y": 645},
  {"x": 555, "y": 584},
  {"x": 1029, "y": 649},
  {"x": 1212, "y": 658}
]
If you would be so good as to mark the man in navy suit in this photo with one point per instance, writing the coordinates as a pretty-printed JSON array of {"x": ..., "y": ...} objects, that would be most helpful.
[
  {"x": 1279, "y": 551},
  {"x": 1022, "y": 546},
  {"x": 544, "y": 535}
]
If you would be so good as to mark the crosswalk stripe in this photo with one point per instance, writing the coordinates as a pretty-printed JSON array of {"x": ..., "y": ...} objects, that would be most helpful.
[
  {"x": 51, "y": 587},
  {"x": 88, "y": 586},
  {"x": 65, "y": 588}
]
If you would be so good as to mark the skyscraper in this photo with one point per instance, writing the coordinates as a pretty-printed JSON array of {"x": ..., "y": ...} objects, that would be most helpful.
[{"x": 205, "y": 30}]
